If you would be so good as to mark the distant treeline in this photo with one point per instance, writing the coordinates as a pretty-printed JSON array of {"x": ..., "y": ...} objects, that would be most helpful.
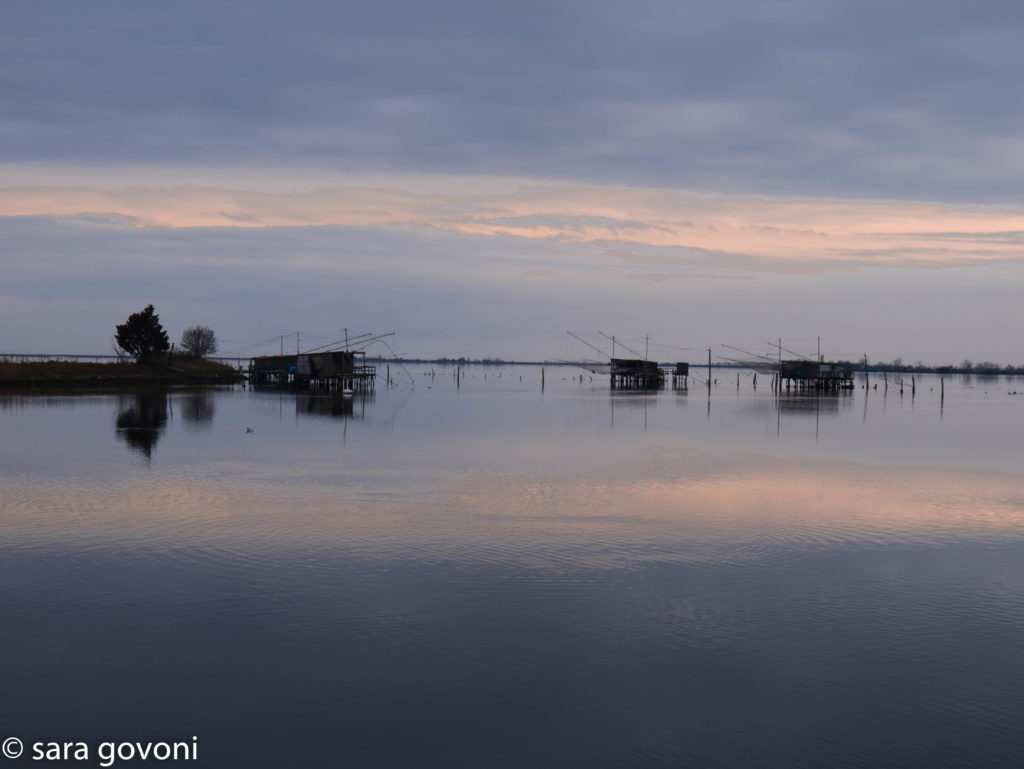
[
  {"x": 896, "y": 366},
  {"x": 985, "y": 368}
]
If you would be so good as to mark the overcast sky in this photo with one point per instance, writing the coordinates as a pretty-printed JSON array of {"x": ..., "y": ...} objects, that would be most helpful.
[{"x": 480, "y": 177}]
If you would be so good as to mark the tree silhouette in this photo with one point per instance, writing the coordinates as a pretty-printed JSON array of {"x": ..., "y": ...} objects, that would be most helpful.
[
  {"x": 142, "y": 336},
  {"x": 199, "y": 341},
  {"x": 141, "y": 421}
]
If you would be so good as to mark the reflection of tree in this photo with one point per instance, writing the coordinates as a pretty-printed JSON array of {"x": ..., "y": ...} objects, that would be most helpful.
[
  {"x": 197, "y": 408},
  {"x": 141, "y": 419}
]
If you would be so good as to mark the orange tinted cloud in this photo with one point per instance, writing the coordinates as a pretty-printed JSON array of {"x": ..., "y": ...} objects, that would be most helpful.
[{"x": 810, "y": 232}]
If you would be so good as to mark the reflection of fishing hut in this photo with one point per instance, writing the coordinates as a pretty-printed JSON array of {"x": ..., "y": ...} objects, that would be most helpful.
[
  {"x": 680, "y": 375},
  {"x": 811, "y": 375},
  {"x": 335, "y": 370},
  {"x": 332, "y": 404},
  {"x": 636, "y": 374},
  {"x": 809, "y": 403}
]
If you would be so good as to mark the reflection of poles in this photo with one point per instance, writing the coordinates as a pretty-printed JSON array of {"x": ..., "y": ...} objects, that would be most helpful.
[{"x": 709, "y": 384}]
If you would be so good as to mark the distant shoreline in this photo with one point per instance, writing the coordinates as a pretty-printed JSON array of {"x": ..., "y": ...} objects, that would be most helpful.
[
  {"x": 78, "y": 374},
  {"x": 980, "y": 369},
  {"x": 182, "y": 370}
]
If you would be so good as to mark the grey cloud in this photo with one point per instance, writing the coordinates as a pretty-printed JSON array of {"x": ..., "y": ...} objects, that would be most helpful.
[
  {"x": 869, "y": 99},
  {"x": 1003, "y": 236}
]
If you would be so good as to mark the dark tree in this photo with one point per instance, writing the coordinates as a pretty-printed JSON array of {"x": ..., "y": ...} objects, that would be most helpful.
[
  {"x": 141, "y": 336},
  {"x": 199, "y": 341}
]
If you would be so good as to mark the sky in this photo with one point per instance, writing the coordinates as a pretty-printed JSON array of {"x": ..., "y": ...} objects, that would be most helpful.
[{"x": 480, "y": 178}]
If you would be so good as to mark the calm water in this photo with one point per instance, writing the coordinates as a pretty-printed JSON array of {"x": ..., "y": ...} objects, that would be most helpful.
[{"x": 495, "y": 576}]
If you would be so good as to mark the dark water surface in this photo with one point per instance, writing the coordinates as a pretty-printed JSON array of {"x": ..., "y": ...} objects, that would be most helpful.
[{"x": 492, "y": 576}]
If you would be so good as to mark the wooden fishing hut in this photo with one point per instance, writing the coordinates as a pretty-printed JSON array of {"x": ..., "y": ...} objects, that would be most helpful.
[
  {"x": 636, "y": 374},
  {"x": 680, "y": 375},
  {"x": 811, "y": 375},
  {"x": 337, "y": 370},
  {"x": 332, "y": 370},
  {"x": 273, "y": 369}
]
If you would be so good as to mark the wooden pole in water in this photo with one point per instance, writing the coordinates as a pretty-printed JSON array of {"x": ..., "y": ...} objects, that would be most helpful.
[
  {"x": 542, "y": 379},
  {"x": 942, "y": 390},
  {"x": 709, "y": 369}
]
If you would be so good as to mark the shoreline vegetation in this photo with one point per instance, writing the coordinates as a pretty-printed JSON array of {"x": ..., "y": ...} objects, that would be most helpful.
[{"x": 174, "y": 370}]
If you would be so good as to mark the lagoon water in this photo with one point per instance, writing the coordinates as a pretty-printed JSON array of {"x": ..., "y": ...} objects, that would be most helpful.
[{"x": 496, "y": 576}]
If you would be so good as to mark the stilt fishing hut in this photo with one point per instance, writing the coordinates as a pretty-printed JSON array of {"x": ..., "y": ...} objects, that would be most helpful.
[
  {"x": 809, "y": 375},
  {"x": 637, "y": 374}
]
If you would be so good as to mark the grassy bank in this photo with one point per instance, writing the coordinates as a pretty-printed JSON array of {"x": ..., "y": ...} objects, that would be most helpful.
[{"x": 179, "y": 370}]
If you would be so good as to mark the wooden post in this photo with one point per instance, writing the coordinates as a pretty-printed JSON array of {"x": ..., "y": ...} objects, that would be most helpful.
[
  {"x": 542, "y": 379},
  {"x": 709, "y": 369},
  {"x": 942, "y": 386}
]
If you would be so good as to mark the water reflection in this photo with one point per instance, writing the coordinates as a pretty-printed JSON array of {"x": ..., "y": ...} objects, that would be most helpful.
[
  {"x": 332, "y": 404},
  {"x": 197, "y": 408},
  {"x": 141, "y": 419},
  {"x": 495, "y": 562},
  {"x": 810, "y": 404}
]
